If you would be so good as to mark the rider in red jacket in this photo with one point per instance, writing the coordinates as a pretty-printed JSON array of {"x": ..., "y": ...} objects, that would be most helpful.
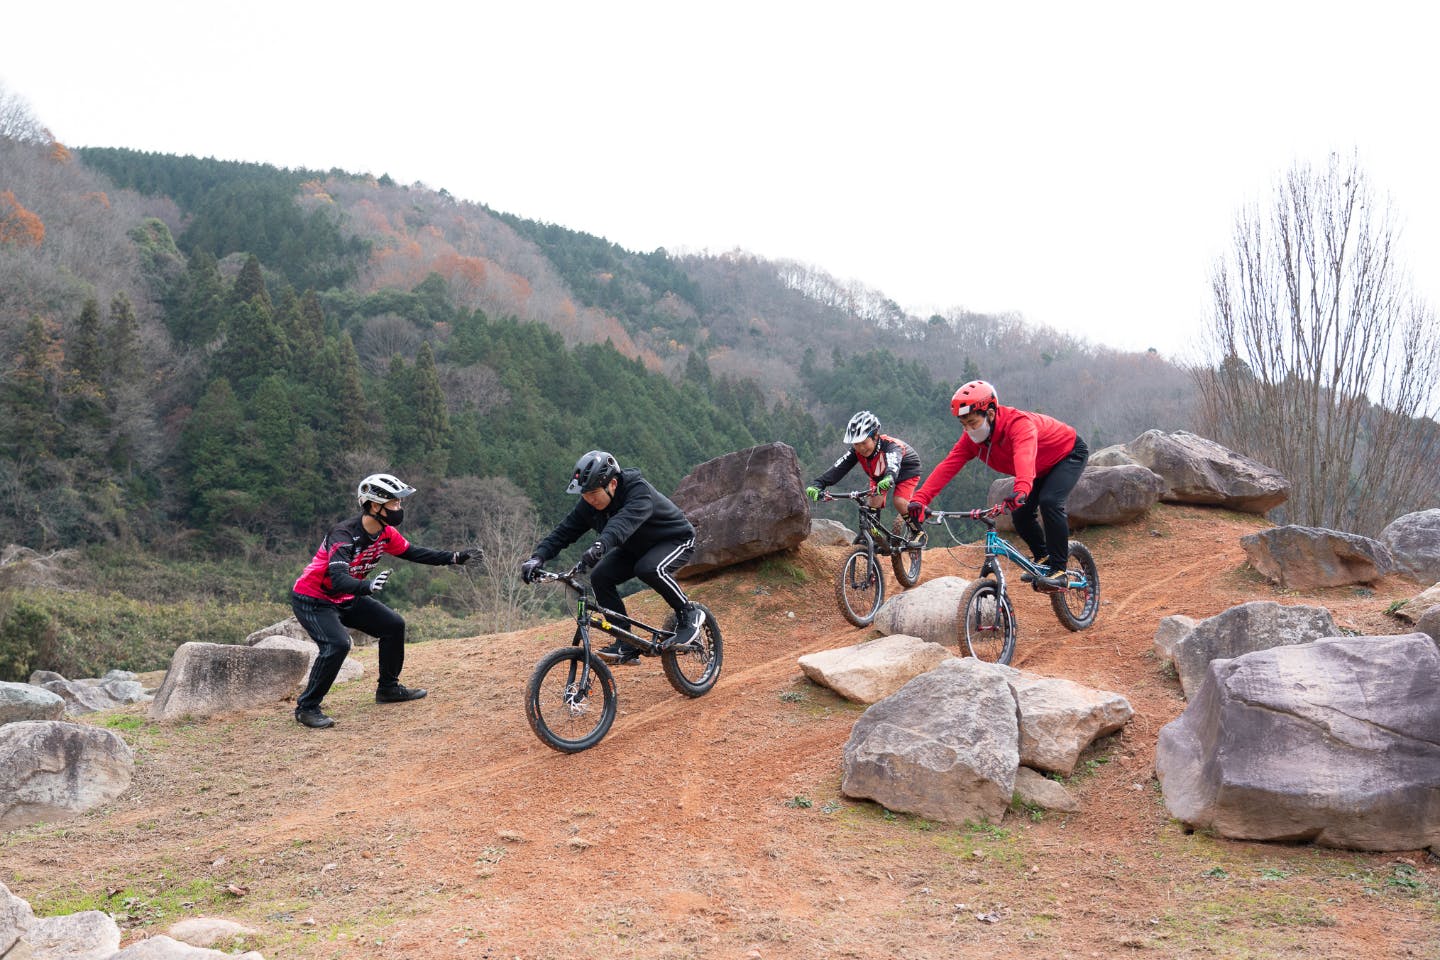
[{"x": 1045, "y": 456}]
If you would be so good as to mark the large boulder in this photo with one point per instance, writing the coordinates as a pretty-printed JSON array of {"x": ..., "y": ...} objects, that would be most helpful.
[
  {"x": 1059, "y": 718},
  {"x": 88, "y": 935},
  {"x": 206, "y": 679},
  {"x": 51, "y": 770},
  {"x": 1304, "y": 558},
  {"x": 1168, "y": 635},
  {"x": 1197, "y": 470},
  {"x": 1414, "y": 608},
  {"x": 945, "y": 746},
  {"x": 350, "y": 669},
  {"x": 743, "y": 505},
  {"x": 1335, "y": 741},
  {"x": 1414, "y": 542},
  {"x": 1429, "y": 623},
  {"x": 24, "y": 701},
  {"x": 1115, "y": 455},
  {"x": 1102, "y": 495},
  {"x": 825, "y": 532},
  {"x": 930, "y": 611},
  {"x": 161, "y": 947},
  {"x": 1258, "y": 625},
  {"x": 80, "y": 697},
  {"x": 870, "y": 671}
]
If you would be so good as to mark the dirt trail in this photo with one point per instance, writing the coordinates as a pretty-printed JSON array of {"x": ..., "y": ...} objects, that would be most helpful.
[{"x": 715, "y": 827}]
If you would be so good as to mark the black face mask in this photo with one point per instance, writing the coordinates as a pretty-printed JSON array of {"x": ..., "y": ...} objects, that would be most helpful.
[{"x": 393, "y": 517}]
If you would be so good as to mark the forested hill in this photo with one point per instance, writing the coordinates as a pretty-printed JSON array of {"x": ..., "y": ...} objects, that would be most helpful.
[{"x": 219, "y": 349}]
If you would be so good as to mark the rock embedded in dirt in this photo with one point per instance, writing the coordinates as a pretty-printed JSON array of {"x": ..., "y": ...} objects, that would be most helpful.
[
  {"x": 1305, "y": 558},
  {"x": 51, "y": 770},
  {"x": 1414, "y": 542},
  {"x": 872, "y": 670},
  {"x": 1257, "y": 625},
  {"x": 1200, "y": 471}
]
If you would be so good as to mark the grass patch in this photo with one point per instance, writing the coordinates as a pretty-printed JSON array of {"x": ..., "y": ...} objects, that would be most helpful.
[
  {"x": 779, "y": 570},
  {"x": 157, "y": 903}
]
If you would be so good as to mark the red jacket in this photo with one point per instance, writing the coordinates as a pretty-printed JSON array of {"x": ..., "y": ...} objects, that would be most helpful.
[{"x": 1022, "y": 444}]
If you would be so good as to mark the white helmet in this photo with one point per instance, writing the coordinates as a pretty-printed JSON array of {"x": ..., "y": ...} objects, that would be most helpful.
[
  {"x": 863, "y": 424},
  {"x": 382, "y": 488}
]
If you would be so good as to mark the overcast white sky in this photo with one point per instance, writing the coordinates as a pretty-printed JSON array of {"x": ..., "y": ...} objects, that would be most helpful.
[{"x": 1079, "y": 164}]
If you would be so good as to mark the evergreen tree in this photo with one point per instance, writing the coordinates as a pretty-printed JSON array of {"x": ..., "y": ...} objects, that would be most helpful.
[
  {"x": 251, "y": 284},
  {"x": 432, "y": 421},
  {"x": 85, "y": 350},
  {"x": 255, "y": 345},
  {"x": 125, "y": 365},
  {"x": 212, "y": 446},
  {"x": 197, "y": 315},
  {"x": 29, "y": 395}
]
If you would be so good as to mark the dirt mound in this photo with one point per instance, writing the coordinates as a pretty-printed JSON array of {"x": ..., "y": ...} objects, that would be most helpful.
[{"x": 715, "y": 827}]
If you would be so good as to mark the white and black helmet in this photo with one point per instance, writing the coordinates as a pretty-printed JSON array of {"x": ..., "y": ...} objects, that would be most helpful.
[
  {"x": 863, "y": 424},
  {"x": 382, "y": 488}
]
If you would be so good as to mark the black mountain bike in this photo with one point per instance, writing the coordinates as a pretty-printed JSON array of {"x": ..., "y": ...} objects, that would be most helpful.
[
  {"x": 571, "y": 698},
  {"x": 860, "y": 584},
  {"x": 987, "y": 617}
]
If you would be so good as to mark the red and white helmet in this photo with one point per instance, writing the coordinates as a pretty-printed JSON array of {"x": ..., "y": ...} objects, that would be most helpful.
[{"x": 975, "y": 396}]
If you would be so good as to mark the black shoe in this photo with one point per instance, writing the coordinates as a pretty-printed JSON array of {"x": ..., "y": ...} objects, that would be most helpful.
[
  {"x": 1055, "y": 579},
  {"x": 688, "y": 621},
  {"x": 398, "y": 694},
  {"x": 313, "y": 718},
  {"x": 619, "y": 652}
]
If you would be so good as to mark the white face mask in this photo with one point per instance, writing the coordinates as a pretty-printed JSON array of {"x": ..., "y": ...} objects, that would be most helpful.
[{"x": 981, "y": 433}]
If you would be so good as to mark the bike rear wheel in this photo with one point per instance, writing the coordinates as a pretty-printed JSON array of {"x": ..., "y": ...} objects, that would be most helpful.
[
  {"x": 860, "y": 587},
  {"x": 987, "y": 622},
  {"x": 694, "y": 671},
  {"x": 907, "y": 561},
  {"x": 1076, "y": 608},
  {"x": 564, "y": 715}
]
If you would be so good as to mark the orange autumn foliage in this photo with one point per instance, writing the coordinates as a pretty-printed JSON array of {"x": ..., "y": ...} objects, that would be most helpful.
[{"x": 18, "y": 225}]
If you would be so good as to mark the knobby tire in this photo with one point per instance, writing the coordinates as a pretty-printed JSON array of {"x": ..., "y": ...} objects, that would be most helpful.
[
  {"x": 565, "y": 727},
  {"x": 860, "y": 587}
]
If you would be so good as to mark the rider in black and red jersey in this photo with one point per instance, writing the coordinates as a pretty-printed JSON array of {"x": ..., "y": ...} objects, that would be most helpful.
[
  {"x": 889, "y": 463},
  {"x": 333, "y": 593}
]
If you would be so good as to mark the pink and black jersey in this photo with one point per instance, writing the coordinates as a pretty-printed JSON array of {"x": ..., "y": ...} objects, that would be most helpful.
[{"x": 349, "y": 553}]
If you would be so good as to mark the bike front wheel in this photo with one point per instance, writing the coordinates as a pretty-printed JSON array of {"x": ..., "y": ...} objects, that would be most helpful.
[
  {"x": 1076, "y": 607},
  {"x": 860, "y": 587},
  {"x": 907, "y": 561},
  {"x": 694, "y": 668},
  {"x": 987, "y": 622},
  {"x": 566, "y": 713}
]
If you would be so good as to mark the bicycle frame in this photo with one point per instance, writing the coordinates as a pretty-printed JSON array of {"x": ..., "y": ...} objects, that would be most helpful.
[
  {"x": 998, "y": 548},
  {"x": 868, "y": 519},
  {"x": 589, "y": 614}
]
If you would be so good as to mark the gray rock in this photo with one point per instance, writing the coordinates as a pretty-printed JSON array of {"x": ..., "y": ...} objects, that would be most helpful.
[
  {"x": 1197, "y": 470},
  {"x": 161, "y": 947},
  {"x": 743, "y": 505},
  {"x": 1414, "y": 542},
  {"x": 1335, "y": 741},
  {"x": 1037, "y": 790},
  {"x": 208, "y": 931},
  {"x": 90, "y": 935},
  {"x": 15, "y": 918},
  {"x": 830, "y": 533},
  {"x": 1103, "y": 495},
  {"x": 24, "y": 701},
  {"x": 51, "y": 770},
  {"x": 1115, "y": 455},
  {"x": 119, "y": 675},
  {"x": 1416, "y": 606},
  {"x": 41, "y": 677},
  {"x": 1429, "y": 623},
  {"x": 1304, "y": 558},
  {"x": 872, "y": 670},
  {"x": 1248, "y": 627},
  {"x": 290, "y": 627},
  {"x": 80, "y": 697},
  {"x": 206, "y": 679},
  {"x": 1059, "y": 718},
  {"x": 930, "y": 611},
  {"x": 944, "y": 747},
  {"x": 125, "y": 691},
  {"x": 1169, "y": 633},
  {"x": 349, "y": 670}
]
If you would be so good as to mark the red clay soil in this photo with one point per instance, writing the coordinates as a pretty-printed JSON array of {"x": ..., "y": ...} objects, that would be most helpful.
[{"x": 715, "y": 827}]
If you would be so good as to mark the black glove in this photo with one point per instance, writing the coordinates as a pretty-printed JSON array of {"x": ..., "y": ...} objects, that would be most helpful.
[
  {"x": 916, "y": 509},
  {"x": 528, "y": 568},
  {"x": 465, "y": 556},
  {"x": 592, "y": 556},
  {"x": 377, "y": 583},
  {"x": 1014, "y": 502}
]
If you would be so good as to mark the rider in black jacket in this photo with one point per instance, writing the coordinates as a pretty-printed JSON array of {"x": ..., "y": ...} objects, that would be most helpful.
[{"x": 641, "y": 534}]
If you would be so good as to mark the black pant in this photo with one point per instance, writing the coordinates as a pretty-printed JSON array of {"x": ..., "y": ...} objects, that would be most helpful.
[
  {"x": 1048, "y": 497},
  {"x": 655, "y": 567},
  {"x": 326, "y": 623}
]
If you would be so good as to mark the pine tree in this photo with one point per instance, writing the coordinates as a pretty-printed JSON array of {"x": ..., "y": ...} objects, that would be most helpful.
[
  {"x": 124, "y": 340},
  {"x": 212, "y": 445},
  {"x": 29, "y": 395},
  {"x": 84, "y": 352},
  {"x": 197, "y": 317},
  {"x": 255, "y": 346},
  {"x": 250, "y": 284},
  {"x": 432, "y": 421}
]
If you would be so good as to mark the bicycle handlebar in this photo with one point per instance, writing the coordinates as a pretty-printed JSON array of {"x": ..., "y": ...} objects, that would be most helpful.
[{"x": 826, "y": 496}]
